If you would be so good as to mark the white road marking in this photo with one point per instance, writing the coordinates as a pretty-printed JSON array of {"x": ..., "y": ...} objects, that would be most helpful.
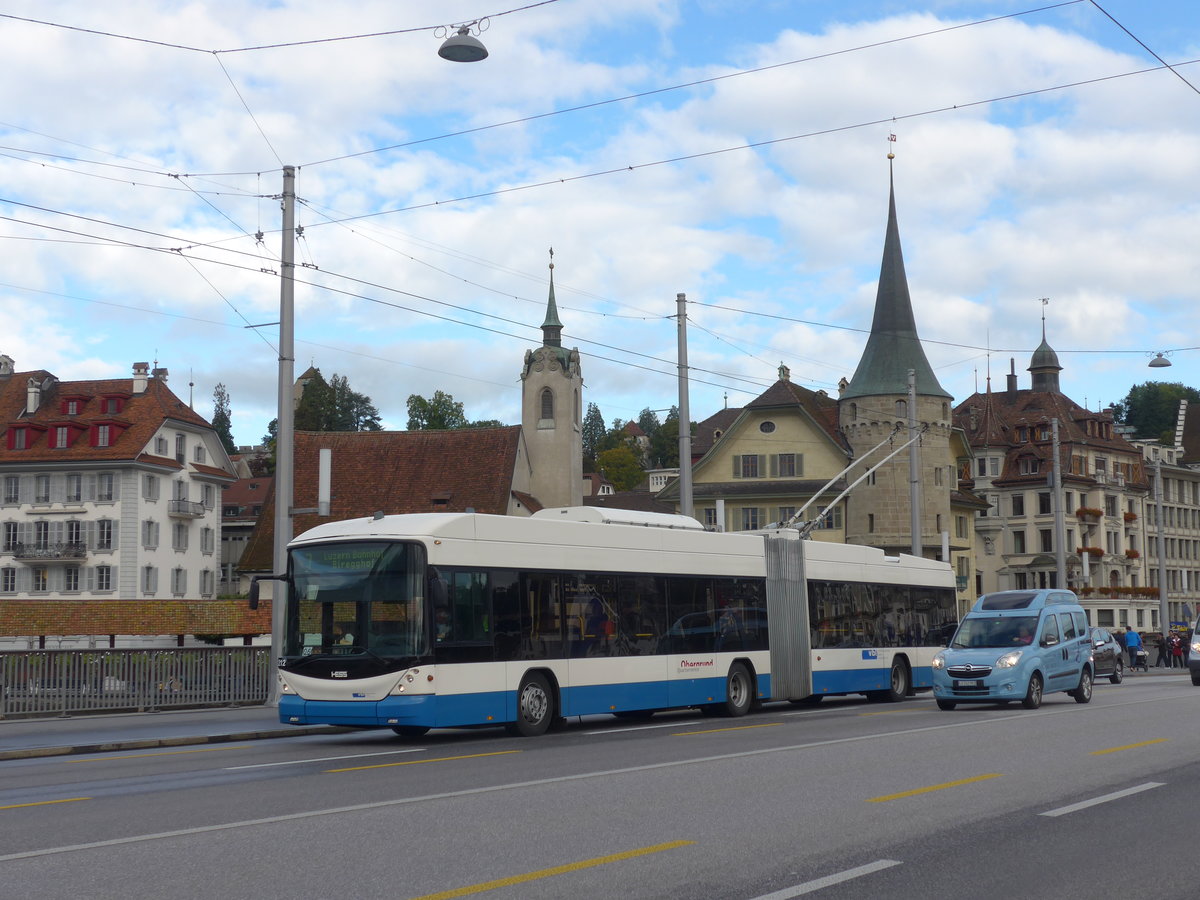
[
  {"x": 1096, "y": 801},
  {"x": 320, "y": 759},
  {"x": 837, "y": 878}
]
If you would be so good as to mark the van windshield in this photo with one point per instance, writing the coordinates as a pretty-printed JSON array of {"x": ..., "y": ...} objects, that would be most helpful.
[{"x": 1009, "y": 631}]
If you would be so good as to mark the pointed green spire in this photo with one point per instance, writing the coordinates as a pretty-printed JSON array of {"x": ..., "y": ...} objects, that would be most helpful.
[
  {"x": 893, "y": 347},
  {"x": 552, "y": 327}
]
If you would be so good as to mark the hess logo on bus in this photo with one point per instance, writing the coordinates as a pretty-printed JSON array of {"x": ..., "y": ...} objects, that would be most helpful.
[{"x": 340, "y": 673}]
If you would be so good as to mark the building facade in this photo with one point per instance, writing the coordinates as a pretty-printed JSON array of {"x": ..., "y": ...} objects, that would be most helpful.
[{"x": 111, "y": 489}]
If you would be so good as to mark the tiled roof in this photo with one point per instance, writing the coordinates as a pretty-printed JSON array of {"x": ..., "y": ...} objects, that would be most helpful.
[
  {"x": 141, "y": 415},
  {"x": 21, "y": 618},
  {"x": 395, "y": 472},
  {"x": 821, "y": 407},
  {"x": 706, "y": 431}
]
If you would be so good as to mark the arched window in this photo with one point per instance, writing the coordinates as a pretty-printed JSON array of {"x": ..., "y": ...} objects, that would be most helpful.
[
  {"x": 853, "y": 412},
  {"x": 902, "y": 408},
  {"x": 547, "y": 404}
]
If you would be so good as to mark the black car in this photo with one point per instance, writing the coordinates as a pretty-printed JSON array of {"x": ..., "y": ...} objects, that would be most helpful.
[{"x": 1106, "y": 656}]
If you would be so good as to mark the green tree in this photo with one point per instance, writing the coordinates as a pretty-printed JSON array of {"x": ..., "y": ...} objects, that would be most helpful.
[
  {"x": 221, "y": 422},
  {"x": 1153, "y": 407},
  {"x": 440, "y": 412},
  {"x": 593, "y": 434},
  {"x": 334, "y": 406},
  {"x": 621, "y": 466},
  {"x": 664, "y": 446}
]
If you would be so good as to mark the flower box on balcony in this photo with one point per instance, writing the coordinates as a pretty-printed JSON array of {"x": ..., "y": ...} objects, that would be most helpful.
[
  {"x": 1132, "y": 554},
  {"x": 1130, "y": 517},
  {"x": 1090, "y": 551},
  {"x": 1089, "y": 513}
]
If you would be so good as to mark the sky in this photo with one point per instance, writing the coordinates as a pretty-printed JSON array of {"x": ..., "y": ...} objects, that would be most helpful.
[{"x": 1047, "y": 164}]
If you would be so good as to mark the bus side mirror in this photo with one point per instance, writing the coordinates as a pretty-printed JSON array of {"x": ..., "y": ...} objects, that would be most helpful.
[{"x": 254, "y": 589}]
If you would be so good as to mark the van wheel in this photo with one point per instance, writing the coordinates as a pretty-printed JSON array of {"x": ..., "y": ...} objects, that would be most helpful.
[
  {"x": 535, "y": 707},
  {"x": 738, "y": 692},
  {"x": 1118, "y": 674},
  {"x": 946, "y": 704},
  {"x": 1033, "y": 696},
  {"x": 1083, "y": 693}
]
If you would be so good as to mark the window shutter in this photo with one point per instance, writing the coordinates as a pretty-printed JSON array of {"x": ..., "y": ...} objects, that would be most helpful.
[
  {"x": 762, "y": 464},
  {"x": 774, "y": 465},
  {"x": 58, "y": 488},
  {"x": 24, "y": 579},
  {"x": 737, "y": 466},
  {"x": 799, "y": 473},
  {"x": 56, "y": 532}
]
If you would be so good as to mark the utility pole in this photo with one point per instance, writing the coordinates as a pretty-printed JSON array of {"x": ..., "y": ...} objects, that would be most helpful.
[
  {"x": 914, "y": 465},
  {"x": 1164, "y": 613},
  {"x": 1060, "y": 524},
  {"x": 685, "y": 418},
  {"x": 284, "y": 430}
]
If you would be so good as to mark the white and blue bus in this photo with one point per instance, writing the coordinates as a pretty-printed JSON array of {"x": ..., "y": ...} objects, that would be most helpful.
[{"x": 412, "y": 622}]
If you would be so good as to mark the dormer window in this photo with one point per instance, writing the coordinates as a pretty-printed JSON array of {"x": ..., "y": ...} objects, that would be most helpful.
[
  {"x": 18, "y": 438},
  {"x": 62, "y": 437},
  {"x": 102, "y": 435},
  {"x": 110, "y": 405},
  {"x": 72, "y": 408}
]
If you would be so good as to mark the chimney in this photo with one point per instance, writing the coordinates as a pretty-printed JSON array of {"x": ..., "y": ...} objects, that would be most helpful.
[
  {"x": 6, "y": 365},
  {"x": 160, "y": 374},
  {"x": 141, "y": 372},
  {"x": 33, "y": 396},
  {"x": 1012, "y": 379}
]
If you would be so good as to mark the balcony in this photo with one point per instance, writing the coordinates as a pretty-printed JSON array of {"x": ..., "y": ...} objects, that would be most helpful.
[
  {"x": 185, "y": 509},
  {"x": 60, "y": 552}
]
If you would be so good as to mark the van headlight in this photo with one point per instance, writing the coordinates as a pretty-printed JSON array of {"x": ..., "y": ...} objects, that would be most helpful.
[
  {"x": 939, "y": 660},
  {"x": 1008, "y": 660}
]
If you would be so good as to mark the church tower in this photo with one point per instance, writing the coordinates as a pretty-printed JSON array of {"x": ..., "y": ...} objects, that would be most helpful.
[
  {"x": 875, "y": 402},
  {"x": 551, "y": 415}
]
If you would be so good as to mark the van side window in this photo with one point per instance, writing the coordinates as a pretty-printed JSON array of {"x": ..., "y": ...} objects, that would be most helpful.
[
  {"x": 1081, "y": 625},
  {"x": 1050, "y": 630},
  {"x": 1068, "y": 627}
]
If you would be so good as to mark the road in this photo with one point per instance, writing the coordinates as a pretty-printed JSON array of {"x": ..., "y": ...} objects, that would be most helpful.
[{"x": 845, "y": 799}]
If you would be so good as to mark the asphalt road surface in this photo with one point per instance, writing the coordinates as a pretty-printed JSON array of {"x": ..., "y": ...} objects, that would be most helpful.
[{"x": 848, "y": 799}]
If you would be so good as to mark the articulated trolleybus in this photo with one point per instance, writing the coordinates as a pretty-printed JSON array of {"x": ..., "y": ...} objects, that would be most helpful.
[{"x": 434, "y": 620}]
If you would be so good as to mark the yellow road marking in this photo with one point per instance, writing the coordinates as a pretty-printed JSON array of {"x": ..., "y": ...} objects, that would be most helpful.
[
  {"x": 45, "y": 802},
  {"x": 1127, "y": 747},
  {"x": 933, "y": 787},
  {"x": 884, "y": 712},
  {"x": 417, "y": 762},
  {"x": 555, "y": 870},
  {"x": 163, "y": 753},
  {"x": 730, "y": 728}
]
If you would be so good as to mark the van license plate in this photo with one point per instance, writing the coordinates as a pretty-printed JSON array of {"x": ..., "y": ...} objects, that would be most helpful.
[{"x": 969, "y": 684}]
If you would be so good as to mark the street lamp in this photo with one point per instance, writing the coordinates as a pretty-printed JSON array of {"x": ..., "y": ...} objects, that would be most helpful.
[
  {"x": 460, "y": 47},
  {"x": 1159, "y": 362}
]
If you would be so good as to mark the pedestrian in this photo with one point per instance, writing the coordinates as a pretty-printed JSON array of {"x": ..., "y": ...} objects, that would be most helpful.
[
  {"x": 1133, "y": 645},
  {"x": 1176, "y": 651},
  {"x": 1119, "y": 637},
  {"x": 1164, "y": 656}
]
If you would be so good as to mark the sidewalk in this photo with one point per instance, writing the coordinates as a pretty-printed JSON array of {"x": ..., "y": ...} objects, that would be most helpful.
[{"x": 60, "y": 736}]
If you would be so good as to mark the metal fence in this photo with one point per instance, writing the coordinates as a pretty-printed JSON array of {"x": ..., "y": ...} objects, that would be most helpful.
[{"x": 62, "y": 682}]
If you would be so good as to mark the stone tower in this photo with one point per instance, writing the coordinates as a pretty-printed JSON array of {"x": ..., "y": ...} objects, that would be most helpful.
[
  {"x": 875, "y": 401},
  {"x": 551, "y": 415}
]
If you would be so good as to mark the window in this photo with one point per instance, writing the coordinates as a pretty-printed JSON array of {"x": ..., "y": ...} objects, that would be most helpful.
[
  {"x": 785, "y": 513},
  {"x": 179, "y": 490},
  {"x": 747, "y": 466},
  {"x": 104, "y": 487},
  {"x": 41, "y": 491},
  {"x": 74, "y": 532},
  {"x": 71, "y": 578},
  {"x": 207, "y": 495},
  {"x": 1018, "y": 542},
  {"x": 751, "y": 518},
  {"x": 981, "y": 465},
  {"x": 41, "y": 578},
  {"x": 104, "y": 578},
  {"x": 788, "y": 465},
  {"x": 766, "y": 427},
  {"x": 206, "y": 582},
  {"x": 150, "y": 534},
  {"x": 1046, "y": 540},
  {"x": 8, "y": 580},
  {"x": 179, "y": 540},
  {"x": 938, "y": 478},
  {"x": 710, "y": 519},
  {"x": 104, "y": 534},
  {"x": 62, "y": 437},
  {"x": 150, "y": 487},
  {"x": 149, "y": 579},
  {"x": 198, "y": 454},
  {"x": 1029, "y": 465},
  {"x": 180, "y": 448},
  {"x": 207, "y": 542},
  {"x": 547, "y": 402},
  {"x": 160, "y": 446},
  {"x": 1044, "y": 505},
  {"x": 12, "y": 488},
  {"x": 41, "y": 535},
  {"x": 74, "y": 488},
  {"x": 1018, "y": 504},
  {"x": 1110, "y": 505},
  {"x": 179, "y": 581},
  {"x": 10, "y": 537},
  {"x": 72, "y": 407},
  {"x": 19, "y": 440},
  {"x": 831, "y": 519},
  {"x": 103, "y": 433},
  {"x": 871, "y": 522},
  {"x": 960, "y": 526},
  {"x": 902, "y": 409}
]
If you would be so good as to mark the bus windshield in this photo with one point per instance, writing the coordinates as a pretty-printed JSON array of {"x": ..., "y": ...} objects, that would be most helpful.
[{"x": 355, "y": 598}]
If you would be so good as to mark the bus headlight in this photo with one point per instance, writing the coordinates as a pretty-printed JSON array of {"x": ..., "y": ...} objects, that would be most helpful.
[
  {"x": 1008, "y": 660},
  {"x": 939, "y": 661}
]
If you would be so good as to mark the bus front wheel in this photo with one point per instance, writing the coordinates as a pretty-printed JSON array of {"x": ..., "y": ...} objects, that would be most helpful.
[
  {"x": 739, "y": 692},
  {"x": 535, "y": 707},
  {"x": 410, "y": 731}
]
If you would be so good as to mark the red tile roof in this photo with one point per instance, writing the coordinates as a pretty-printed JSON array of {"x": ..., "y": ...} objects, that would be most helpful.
[
  {"x": 395, "y": 472},
  {"x": 22, "y": 618}
]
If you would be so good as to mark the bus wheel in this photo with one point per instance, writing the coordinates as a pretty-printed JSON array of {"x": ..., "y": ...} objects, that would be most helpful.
[
  {"x": 412, "y": 731},
  {"x": 535, "y": 707},
  {"x": 739, "y": 692},
  {"x": 897, "y": 685}
]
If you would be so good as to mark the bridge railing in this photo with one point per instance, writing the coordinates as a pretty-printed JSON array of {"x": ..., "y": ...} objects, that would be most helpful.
[{"x": 64, "y": 682}]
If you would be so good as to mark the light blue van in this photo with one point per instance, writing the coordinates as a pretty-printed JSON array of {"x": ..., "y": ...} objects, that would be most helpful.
[{"x": 1016, "y": 646}]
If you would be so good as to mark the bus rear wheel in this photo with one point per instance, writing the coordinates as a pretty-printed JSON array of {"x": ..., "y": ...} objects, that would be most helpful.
[
  {"x": 535, "y": 707},
  {"x": 739, "y": 692},
  {"x": 411, "y": 731}
]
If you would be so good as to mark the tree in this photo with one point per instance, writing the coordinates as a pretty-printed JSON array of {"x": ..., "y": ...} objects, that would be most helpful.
[
  {"x": 1153, "y": 407},
  {"x": 221, "y": 422},
  {"x": 440, "y": 412},
  {"x": 621, "y": 466},
  {"x": 334, "y": 406},
  {"x": 593, "y": 434}
]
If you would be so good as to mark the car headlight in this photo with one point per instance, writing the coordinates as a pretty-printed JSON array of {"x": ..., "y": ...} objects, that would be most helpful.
[
  {"x": 1008, "y": 660},
  {"x": 1196, "y": 646},
  {"x": 939, "y": 661}
]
